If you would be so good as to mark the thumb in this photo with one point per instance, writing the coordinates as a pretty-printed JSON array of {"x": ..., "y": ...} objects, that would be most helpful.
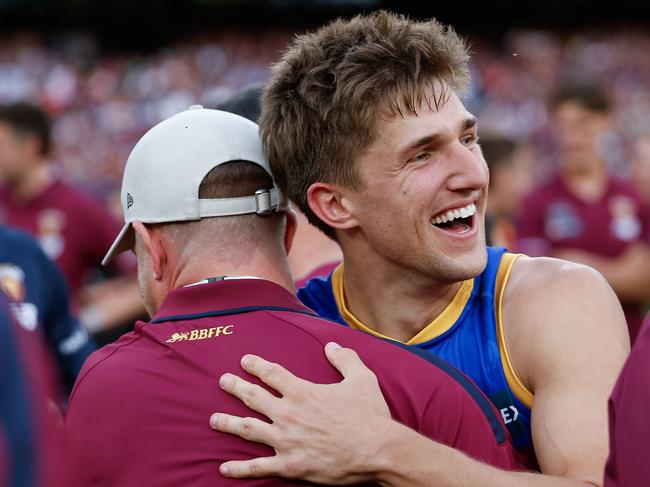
[{"x": 345, "y": 360}]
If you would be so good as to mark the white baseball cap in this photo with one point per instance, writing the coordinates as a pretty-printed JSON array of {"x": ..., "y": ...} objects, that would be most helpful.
[{"x": 165, "y": 168}]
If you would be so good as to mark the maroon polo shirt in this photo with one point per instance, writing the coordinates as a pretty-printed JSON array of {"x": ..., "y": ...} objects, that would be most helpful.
[
  {"x": 629, "y": 419},
  {"x": 552, "y": 218},
  {"x": 73, "y": 229},
  {"x": 139, "y": 412}
]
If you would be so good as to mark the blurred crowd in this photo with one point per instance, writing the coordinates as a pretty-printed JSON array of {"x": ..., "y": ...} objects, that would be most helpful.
[
  {"x": 102, "y": 102},
  {"x": 513, "y": 81}
]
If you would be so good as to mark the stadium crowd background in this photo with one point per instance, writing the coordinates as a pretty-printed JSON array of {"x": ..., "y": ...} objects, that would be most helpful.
[{"x": 102, "y": 103}]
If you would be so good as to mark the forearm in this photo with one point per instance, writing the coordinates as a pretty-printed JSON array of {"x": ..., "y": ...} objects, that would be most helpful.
[
  {"x": 118, "y": 304},
  {"x": 407, "y": 458}
]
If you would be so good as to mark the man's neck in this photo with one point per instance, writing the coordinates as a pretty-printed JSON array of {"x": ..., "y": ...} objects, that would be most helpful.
[
  {"x": 262, "y": 268},
  {"x": 398, "y": 307},
  {"x": 32, "y": 183}
]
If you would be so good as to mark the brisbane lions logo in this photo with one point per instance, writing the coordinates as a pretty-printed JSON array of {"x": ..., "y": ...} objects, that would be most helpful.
[
  {"x": 179, "y": 336},
  {"x": 12, "y": 282}
]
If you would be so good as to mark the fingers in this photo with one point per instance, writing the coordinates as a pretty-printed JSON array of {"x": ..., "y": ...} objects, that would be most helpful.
[
  {"x": 358, "y": 376},
  {"x": 346, "y": 360},
  {"x": 256, "y": 468},
  {"x": 273, "y": 375},
  {"x": 255, "y": 397},
  {"x": 252, "y": 429}
]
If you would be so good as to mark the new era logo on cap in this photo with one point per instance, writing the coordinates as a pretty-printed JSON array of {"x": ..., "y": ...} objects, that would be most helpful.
[{"x": 129, "y": 200}]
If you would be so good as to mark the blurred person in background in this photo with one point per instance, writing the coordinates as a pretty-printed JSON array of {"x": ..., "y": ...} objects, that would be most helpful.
[
  {"x": 41, "y": 302},
  {"x": 312, "y": 253},
  {"x": 585, "y": 213},
  {"x": 31, "y": 425},
  {"x": 640, "y": 173},
  {"x": 72, "y": 228},
  {"x": 511, "y": 177}
]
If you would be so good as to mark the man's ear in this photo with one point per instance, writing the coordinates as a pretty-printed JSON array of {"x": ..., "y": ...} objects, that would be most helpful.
[
  {"x": 154, "y": 247},
  {"x": 331, "y": 205},
  {"x": 290, "y": 229}
]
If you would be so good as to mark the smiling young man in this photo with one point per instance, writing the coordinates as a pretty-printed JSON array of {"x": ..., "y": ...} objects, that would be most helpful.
[{"x": 366, "y": 132}]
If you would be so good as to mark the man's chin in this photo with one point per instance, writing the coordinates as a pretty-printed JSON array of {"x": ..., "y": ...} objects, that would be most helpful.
[{"x": 467, "y": 265}]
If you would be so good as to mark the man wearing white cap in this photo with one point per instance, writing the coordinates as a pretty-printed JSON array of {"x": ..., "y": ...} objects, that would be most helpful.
[{"x": 203, "y": 216}]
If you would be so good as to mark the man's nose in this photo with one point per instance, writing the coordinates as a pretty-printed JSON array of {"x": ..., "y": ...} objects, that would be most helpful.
[{"x": 468, "y": 170}]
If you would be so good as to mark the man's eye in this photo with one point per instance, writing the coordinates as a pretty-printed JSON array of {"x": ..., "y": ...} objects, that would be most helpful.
[
  {"x": 419, "y": 157},
  {"x": 469, "y": 140}
]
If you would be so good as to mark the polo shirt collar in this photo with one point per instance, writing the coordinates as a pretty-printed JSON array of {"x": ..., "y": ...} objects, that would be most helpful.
[{"x": 229, "y": 294}]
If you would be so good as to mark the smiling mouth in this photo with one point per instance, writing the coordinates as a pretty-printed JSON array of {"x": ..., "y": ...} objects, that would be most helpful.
[{"x": 459, "y": 220}]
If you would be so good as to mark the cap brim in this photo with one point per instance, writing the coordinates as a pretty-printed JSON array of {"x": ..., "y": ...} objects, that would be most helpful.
[{"x": 122, "y": 243}]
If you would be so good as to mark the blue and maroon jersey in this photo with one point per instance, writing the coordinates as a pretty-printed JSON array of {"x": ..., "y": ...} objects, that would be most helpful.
[
  {"x": 41, "y": 302},
  {"x": 468, "y": 334},
  {"x": 629, "y": 421},
  {"x": 155, "y": 388}
]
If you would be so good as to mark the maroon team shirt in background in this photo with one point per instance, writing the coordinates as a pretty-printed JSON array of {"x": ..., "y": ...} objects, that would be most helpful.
[
  {"x": 552, "y": 218},
  {"x": 139, "y": 412},
  {"x": 629, "y": 419},
  {"x": 73, "y": 229}
]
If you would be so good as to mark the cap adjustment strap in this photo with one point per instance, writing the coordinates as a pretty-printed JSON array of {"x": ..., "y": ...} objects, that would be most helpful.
[{"x": 264, "y": 202}]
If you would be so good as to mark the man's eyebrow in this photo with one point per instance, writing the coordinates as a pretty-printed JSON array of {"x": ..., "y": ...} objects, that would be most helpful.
[
  {"x": 421, "y": 142},
  {"x": 466, "y": 124},
  {"x": 469, "y": 122}
]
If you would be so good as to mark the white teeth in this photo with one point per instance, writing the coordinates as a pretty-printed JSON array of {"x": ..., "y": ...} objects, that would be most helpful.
[{"x": 451, "y": 215}]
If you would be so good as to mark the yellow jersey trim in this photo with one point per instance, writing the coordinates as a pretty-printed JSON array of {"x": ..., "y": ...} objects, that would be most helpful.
[
  {"x": 515, "y": 384},
  {"x": 437, "y": 327}
]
